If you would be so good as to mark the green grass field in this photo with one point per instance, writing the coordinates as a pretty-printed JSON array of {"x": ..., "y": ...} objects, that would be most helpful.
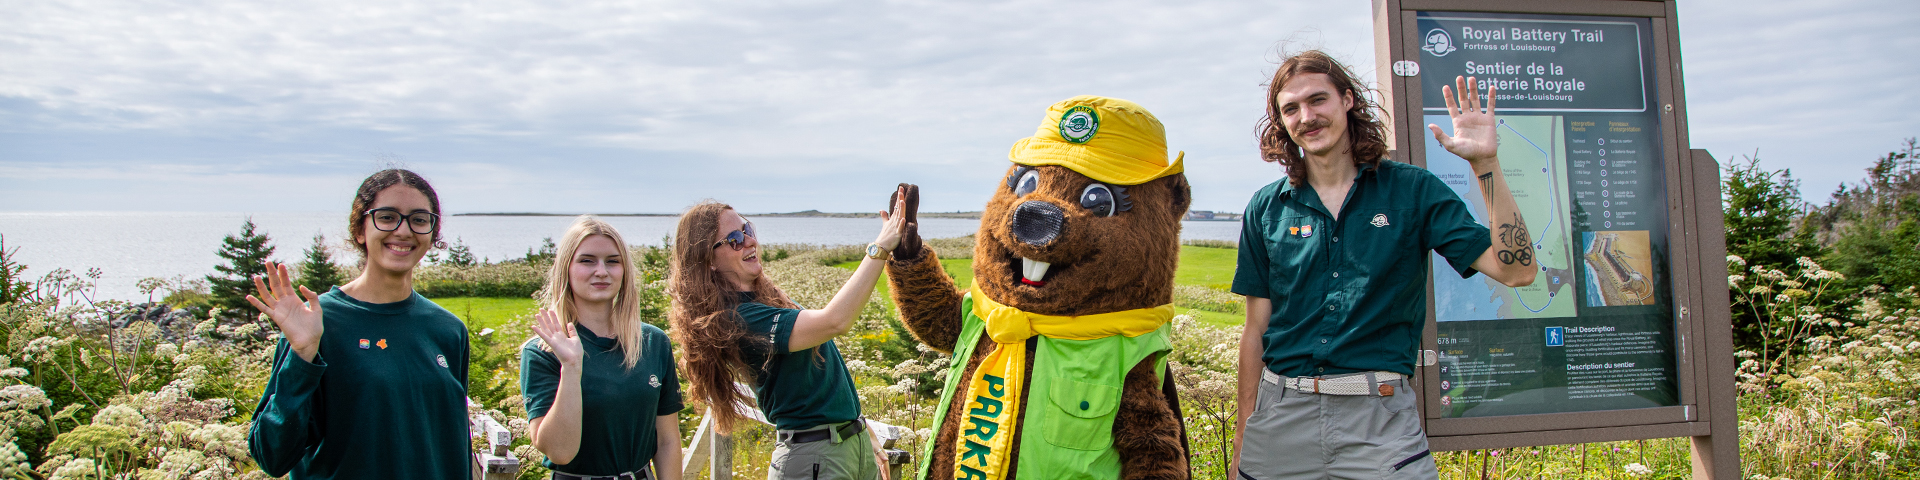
[
  {"x": 1203, "y": 266},
  {"x": 481, "y": 313}
]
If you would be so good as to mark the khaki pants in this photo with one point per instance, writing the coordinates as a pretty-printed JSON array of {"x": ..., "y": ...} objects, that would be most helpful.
[
  {"x": 1300, "y": 435},
  {"x": 835, "y": 458}
]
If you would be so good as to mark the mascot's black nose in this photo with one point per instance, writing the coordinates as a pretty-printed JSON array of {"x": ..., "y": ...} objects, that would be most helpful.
[{"x": 1037, "y": 223}]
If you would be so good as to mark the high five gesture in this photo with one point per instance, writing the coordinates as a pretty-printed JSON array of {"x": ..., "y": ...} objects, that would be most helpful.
[{"x": 298, "y": 320}]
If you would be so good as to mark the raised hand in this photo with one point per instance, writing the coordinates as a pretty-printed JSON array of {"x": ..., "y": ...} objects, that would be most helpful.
[
  {"x": 299, "y": 321},
  {"x": 910, "y": 232},
  {"x": 560, "y": 337},
  {"x": 1474, "y": 135}
]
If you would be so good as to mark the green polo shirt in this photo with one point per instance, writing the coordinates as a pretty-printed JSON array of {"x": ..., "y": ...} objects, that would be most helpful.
[
  {"x": 797, "y": 390},
  {"x": 1350, "y": 293},
  {"x": 618, "y": 406},
  {"x": 384, "y": 398}
]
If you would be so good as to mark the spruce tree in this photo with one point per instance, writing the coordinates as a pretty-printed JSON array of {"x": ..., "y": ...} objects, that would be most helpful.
[
  {"x": 460, "y": 255},
  {"x": 318, "y": 273},
  {"x": 12, "y": 287},
  {"x": 246, "y": 255}
]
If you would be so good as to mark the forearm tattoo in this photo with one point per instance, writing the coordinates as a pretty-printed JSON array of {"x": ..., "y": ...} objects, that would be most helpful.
[
  {"x": 1518, "y": 243},
  {"x": 1486, "y": 186}
]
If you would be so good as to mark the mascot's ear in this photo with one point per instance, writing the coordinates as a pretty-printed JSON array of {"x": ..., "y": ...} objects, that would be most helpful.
[{"x": 1182, "y": 194}]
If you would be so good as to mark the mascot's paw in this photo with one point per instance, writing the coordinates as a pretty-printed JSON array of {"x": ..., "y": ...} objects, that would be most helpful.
[{"x": 910, "y": 246}]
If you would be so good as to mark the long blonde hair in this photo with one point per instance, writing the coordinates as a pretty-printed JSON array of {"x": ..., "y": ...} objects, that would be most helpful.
[
  {"x": 558, "y": 295},
  {"x": 706, "y": 323}
]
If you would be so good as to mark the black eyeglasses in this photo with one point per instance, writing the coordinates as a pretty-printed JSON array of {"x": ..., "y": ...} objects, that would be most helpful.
[
  {"x": 387, "y": 219},
  {"x": 737, "y": 238}
]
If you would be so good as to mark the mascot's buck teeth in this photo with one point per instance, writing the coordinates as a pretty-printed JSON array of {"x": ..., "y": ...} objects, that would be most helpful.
[{"x": 1033, "y": 272}]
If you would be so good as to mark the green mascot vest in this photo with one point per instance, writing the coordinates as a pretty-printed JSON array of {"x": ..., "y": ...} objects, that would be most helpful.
[{"x": 1072, "y": 399}]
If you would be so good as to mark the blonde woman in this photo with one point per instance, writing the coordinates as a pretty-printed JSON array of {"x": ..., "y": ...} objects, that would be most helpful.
[
  {"x": 599, "y": 385},
  {"x": 735, "y": 325}
]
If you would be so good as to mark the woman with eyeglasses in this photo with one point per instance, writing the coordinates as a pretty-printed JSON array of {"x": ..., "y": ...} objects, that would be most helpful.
[
  {"x": 369, "y": 379},
  {"x": 735, "y": 325},
  {"x": 599, "y": 385}
]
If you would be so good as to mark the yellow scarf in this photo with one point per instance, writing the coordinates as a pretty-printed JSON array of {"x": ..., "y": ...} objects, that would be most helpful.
[{"x": 986, "y": 438}]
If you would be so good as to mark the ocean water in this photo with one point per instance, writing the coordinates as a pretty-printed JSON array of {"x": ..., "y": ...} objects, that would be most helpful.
[{"x": 127, "y": 247}]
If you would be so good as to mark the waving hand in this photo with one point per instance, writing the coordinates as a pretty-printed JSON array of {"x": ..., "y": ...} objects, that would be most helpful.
[
  {"x": 1474, "y": 137},
  {"x": 298, "y": 320},
  {"x": 560, "y": 337}
]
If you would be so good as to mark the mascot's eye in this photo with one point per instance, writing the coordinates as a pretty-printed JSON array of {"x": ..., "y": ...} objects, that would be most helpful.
[
  {"x": 1015, "y": 176},
  {"x": 1028, "y": 182},
  {"x": 1098, "y": 199}
]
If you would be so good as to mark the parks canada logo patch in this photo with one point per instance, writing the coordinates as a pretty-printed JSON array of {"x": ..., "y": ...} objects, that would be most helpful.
[
  {"x": 441, "y": 359},
  {"x": 653, "y": 380},
  {"x": 1437, "y": 42},
  {"x": 1079, "y": 124}
]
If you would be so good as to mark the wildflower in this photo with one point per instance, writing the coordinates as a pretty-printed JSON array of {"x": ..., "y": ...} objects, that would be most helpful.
[
  {"x": 1638, "y": 470},
  {"x": 166, "y": 350},
  {"x": 74, "y": 469},
  {"x": 23, "y": 397},
  {"x": 1880, "y": 458},
  {"x": 1736, "y": 260},
  {"x": 13, "y": 372}
]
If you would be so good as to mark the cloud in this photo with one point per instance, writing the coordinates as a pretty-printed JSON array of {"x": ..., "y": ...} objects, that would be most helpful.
[
  {"x": 774, "y": 106},
  {"x": 1823, "y": 90}
]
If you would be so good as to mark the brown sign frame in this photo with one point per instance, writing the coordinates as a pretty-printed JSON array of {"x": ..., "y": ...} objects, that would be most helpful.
[{"x": 1708, "y": 411}]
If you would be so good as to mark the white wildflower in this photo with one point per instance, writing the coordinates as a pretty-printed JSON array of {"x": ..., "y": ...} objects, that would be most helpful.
[
  {"x": 13, "y": 372},
  {"x": 23, "y": 397},
  {"x": 75, "y": 469},
  {"x": 1880, "y": 458},
  {"x": 1736, "y": 260},
  {"x": 1638, "y": 470},
  {"x": 118, "y": 415},
  {"x": 166, "y": 350}
]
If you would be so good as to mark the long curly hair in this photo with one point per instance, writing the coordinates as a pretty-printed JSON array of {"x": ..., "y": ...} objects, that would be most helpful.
[
  {"x": 1366, "y": 134},
  {"x": 558, "y": 294},
  {"x": 705, "y": 319}
]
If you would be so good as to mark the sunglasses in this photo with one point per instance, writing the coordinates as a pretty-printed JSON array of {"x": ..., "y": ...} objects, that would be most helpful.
[{"x": 737, "y": 238}]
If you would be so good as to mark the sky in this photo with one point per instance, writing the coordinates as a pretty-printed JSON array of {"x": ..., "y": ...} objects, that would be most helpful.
[{"x": 651, "y": 106}]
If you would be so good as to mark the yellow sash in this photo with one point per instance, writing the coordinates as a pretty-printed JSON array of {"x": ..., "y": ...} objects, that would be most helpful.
[{"x": 985, "y": 442}]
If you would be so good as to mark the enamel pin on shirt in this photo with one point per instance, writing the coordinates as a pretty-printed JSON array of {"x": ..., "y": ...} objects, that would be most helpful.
[
  {"x": 1379, "y": 220},
  {"x": 363, "y": 344},
  {"x": 1306, "y": 231}
]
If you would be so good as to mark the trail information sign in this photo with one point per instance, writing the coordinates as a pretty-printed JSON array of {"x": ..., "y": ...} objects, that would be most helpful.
[
  {"x": 1624, "y": 332},
  {"x": 1579, "y": 148}
]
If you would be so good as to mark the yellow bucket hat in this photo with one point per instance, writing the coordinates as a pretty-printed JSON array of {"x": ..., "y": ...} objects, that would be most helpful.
[{"x": 1107, "y": 139}]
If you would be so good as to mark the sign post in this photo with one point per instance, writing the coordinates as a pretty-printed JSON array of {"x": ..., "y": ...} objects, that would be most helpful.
[{"x": 1625, "y": 333}]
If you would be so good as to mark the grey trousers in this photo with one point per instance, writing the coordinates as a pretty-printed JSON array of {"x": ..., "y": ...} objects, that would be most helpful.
[
  {"x": 836, "y": 458},
  {"x": 1300, "y": 435}
]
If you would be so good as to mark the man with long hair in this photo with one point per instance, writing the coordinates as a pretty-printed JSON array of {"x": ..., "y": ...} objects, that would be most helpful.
[{"x": 1333, "y": 263}]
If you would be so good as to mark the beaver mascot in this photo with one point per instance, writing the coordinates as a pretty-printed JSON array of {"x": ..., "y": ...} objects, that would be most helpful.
[{"x": 1060, "y": 347}]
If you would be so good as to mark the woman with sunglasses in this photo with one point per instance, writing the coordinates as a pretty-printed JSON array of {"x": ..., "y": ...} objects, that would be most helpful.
[
  {"x": 370, "y": 379},
  {"x": 735, "y": 325},
  {"x": 598, "y": 384}
]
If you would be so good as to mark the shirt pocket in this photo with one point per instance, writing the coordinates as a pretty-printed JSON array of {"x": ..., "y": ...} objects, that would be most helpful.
[
  {"x": 1293, "y": 251},
  {"x": 1386, "y": 242},
  {"x": 1080, "y": 415}
]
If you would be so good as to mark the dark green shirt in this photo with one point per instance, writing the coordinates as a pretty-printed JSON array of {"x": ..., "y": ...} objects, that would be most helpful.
[
  {"x": 797, "y": 390},
  {"x": 1350, "y": 293},
  {"x": 618, "y": 407},
  {"x": 384, "y": 398}
]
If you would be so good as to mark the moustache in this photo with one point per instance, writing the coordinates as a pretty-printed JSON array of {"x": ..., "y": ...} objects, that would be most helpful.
[{"x": 1310, "y": 126}]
